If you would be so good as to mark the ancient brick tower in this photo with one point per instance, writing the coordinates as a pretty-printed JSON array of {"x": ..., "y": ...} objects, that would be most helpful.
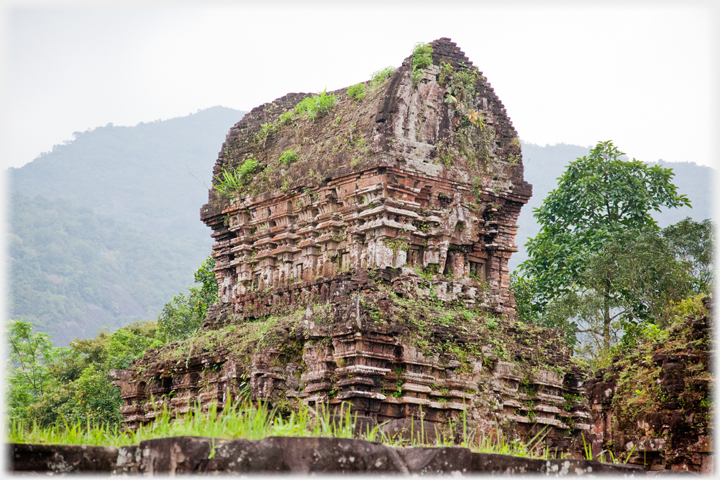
[
  {"x": 401, "y": 168},
  {"x": 362, "y": 257}
]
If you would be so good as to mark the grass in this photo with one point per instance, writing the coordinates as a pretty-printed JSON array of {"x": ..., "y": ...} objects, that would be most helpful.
[
  {"x": 240, "y": 420},
  {"x": 533, "y": 448},
  {"x": 230, "y": 182},
  {"x": 254, "y": 422}
]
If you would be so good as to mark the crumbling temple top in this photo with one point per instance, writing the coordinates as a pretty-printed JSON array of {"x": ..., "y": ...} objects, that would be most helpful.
[{"x": 423, "y": 175}]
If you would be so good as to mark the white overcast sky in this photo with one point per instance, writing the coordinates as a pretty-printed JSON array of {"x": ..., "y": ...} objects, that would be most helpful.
[{"x": 642, "y": 74}]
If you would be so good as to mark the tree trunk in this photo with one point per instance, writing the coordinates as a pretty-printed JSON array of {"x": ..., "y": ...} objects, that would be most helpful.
[{"x": 606, "y": 319}]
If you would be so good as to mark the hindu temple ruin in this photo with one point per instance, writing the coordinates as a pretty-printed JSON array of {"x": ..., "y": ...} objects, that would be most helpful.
[{"x": 362, "y": 239}]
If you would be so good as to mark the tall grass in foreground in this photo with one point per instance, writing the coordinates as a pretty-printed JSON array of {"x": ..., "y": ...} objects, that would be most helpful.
[
  {"x": 254, "y": 422},
  {"x": 239, "y": 420}
]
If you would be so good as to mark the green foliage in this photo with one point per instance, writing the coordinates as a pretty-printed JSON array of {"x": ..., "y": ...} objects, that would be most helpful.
[
  {"x": 75, "y": 386},
  {"x": 286, "y": 117},
  {"x": 396, "y": 244},
  {"x": 690, "y": 306},
  {"x": 312, "y": 107},
  {"x": 421, "y": 59},
  {"x": 29, "y": 356},
  {"x": 597, "y": 197},
  {"x": 71, "y": 270},
  {"x": 182, "y": 317},
  {"x": 232, "y": 182},
  {"x": 84, "y": 248},
  {"x": 266, "y": 129},
  {"x": 596, "y": 222},
  {"x": 421, "y": 56},
  {"x": 543, "y": 165},
  {"x": 381, "y": 76},
  {"x": 50, "y": 386},
  {"x": 644, "y": 275},
  {"x": 461, "y": 93},
  {"x": 358, "y": 91},
  {"x": 446, "y": 71},
  {"x": 315, "y": 106},
  {"x": 242, "y": 419},
  {"x": 239, "y": 419},
  {"x": 693, "y": 244},
  {"x": 288, "y": 157}
]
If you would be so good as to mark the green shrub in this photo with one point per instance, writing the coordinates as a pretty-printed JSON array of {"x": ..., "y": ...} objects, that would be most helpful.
[
  {"x": 421, "y": 59},
  {"x": 285, "y": 117},
  {"x": 357, "y": 91},
  {"x": 248, "y": 168},
  {"x": 183, "y": 316},
  {"x": 288, "y": 157},
  {"x": 49, "y": 386},
  {"x": 315, "y": 106},
  {"x": 265, "y": 130},
  {"x": 381, "y": 76}
]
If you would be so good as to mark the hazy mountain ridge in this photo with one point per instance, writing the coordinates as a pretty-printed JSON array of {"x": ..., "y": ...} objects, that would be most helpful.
[
  {"x": 105, "y": 229},
  {"x": 127, "y": 171}
]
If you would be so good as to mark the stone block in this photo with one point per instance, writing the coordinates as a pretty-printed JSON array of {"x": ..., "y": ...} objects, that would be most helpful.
[{"x": 62, "y": 459}]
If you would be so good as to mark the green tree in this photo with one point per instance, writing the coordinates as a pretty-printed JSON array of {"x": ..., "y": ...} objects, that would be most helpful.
[
  {"x": 693, "y": 243},
  {"x": 49, "y": 386},
  {"x": 646, "y": 280},
  {"x": 183, "y": 316},
  {"x": 29, "y": 356},
  {"x": 597, "y": 198}
]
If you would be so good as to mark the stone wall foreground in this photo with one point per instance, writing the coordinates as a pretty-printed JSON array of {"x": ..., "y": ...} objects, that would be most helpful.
[{"x": 297, "y": 455}]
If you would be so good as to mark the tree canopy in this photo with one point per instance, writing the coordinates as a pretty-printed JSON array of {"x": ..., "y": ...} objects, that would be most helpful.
[
  {"x": 598, "y": 196},
  {"x": 600, "y": 260}
]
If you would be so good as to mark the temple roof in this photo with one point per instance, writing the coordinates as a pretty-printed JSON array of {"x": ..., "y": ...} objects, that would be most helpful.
[{"x": 446, "y": 122}]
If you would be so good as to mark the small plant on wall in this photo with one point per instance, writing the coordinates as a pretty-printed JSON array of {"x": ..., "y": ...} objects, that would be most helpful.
[
  {"x": 288, "y": 157},
  {"x": 233, "y": 181},
  {"x": 421, "y": 59},
  {"x": 357, "y": 91}
]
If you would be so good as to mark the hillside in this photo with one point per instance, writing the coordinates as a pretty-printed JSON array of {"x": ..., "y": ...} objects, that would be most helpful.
[
  {"x": 74, "y": 271},
  {"x": 105, "y": 229},
  {"x": 543, "y": 165},
  {"x": 145, "y": 174}
]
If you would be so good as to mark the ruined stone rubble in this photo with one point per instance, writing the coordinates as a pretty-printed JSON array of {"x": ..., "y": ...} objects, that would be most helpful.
[{"x": 653, "y": 402}]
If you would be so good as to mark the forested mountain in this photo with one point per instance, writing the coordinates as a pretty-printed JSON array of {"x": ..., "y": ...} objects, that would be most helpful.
[
  {"x": 74, "y": 271},
  {"x": 543, "y": 166},
  {"x": 105, "y": 229},
  {"x": 143, "y": 174}
]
